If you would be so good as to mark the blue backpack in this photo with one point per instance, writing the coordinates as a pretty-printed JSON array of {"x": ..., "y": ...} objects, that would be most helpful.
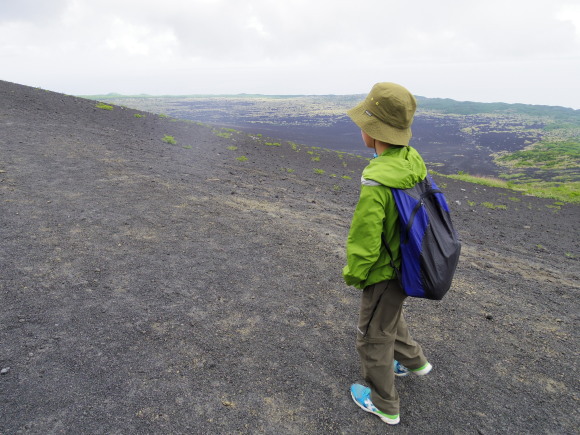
[{"x": 430, "y": 245}]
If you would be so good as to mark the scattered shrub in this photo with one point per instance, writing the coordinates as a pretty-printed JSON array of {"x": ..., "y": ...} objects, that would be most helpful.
[
  {"x": 224, "y": 134},
  {"x": 104, "y": 106},
  {"x": 169, "y": 139},
  {"x": 493, "y": 206}
]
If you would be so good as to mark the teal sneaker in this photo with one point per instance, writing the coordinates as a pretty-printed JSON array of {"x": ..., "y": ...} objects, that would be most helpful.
[
  {"x": 362, "y": 397},
  {"x": 401, "y": 370}
]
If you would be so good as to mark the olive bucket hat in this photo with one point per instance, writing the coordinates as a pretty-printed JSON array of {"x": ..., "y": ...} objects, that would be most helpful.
[{"x": 386, "y": 114}]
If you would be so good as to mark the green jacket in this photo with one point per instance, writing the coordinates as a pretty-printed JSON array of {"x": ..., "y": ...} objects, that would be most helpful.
[{"x": 376, "y": 213}]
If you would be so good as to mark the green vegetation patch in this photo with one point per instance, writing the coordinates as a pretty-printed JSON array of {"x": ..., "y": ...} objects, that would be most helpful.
[
  {"x": 104, "y": 106},
  {"x": 138, "y": 115},
  {"x": 485, "y": 181},
  {"x": 224, "y": 134},
  {"x": 551, "y": 155},
  {"x": 567, "y": 192},
  {"x": 169, "y": 139},
  {"x": 512, "y": 176},
  {"x": 494, "y": 206}
]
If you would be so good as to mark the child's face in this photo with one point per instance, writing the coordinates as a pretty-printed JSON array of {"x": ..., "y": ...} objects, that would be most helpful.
[{"x": 369, "y": 141}]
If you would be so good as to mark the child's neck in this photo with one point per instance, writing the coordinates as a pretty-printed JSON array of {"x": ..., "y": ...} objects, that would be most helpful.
[{"x": 381, "y": 147}]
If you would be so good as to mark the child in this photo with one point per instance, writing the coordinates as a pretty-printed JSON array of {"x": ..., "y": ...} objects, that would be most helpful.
[{"x": 383, "y": 342}]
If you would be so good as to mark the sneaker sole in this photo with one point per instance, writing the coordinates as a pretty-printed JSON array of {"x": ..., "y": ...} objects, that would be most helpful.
[
  {"x": 382, "y": 417},
  {"x": 423, "y": 370}
]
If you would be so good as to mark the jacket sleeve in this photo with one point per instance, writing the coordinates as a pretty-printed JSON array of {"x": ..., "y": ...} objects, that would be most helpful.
[{"x": 364, "y": 238}]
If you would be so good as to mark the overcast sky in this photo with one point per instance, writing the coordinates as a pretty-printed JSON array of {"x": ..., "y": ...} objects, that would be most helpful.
[{"x": 514, "y": 51}]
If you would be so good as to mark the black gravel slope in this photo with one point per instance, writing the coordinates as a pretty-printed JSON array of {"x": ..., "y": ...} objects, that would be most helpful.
[{"x": 191, "y": 288}]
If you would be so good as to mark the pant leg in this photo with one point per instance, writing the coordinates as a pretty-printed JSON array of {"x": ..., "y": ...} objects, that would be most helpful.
[
  {"x": 379, "y": 330},
  {"x": 407, "y": 351}
]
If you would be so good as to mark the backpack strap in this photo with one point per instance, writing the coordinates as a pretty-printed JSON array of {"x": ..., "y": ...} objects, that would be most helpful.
[{"x": 391, "y": 257}]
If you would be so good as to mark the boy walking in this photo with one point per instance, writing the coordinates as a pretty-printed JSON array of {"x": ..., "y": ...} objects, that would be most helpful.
[{"x": 383, "y": 342}]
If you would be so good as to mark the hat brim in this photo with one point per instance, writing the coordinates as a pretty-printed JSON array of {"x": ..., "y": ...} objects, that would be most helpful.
[{"x": 377, "y": 129}]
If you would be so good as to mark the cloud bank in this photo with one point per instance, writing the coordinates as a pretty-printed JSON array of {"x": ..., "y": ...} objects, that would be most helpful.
[{"x": 516, "y": 51}]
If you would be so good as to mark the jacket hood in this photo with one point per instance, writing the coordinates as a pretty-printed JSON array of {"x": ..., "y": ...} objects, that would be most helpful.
[{"x": 398, "y": 167}]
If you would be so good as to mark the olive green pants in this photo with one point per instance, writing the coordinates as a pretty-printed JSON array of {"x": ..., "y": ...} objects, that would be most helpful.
[{"x": 382, "y": 337}]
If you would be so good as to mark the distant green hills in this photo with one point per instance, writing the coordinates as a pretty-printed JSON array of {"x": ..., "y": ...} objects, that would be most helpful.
[
  {"x": 446, "y": 105},
  {"x": 443, "y": 105}
]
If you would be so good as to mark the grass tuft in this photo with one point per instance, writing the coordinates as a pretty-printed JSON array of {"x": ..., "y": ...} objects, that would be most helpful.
[
  {"x": 104, "y": 106},
  {"x": 566, "y": 192},
  {"x": 169, "y": 139},
  {"x": 493, "y": 206}
]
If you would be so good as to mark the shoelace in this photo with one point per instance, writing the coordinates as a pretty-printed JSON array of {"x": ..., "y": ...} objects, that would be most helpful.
[
  {"x": 399, "y": 368},
  {"x": 369, "y": 404}
]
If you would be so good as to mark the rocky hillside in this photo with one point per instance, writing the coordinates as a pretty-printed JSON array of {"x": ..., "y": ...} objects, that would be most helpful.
[{"x": 160, "y": 276}]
